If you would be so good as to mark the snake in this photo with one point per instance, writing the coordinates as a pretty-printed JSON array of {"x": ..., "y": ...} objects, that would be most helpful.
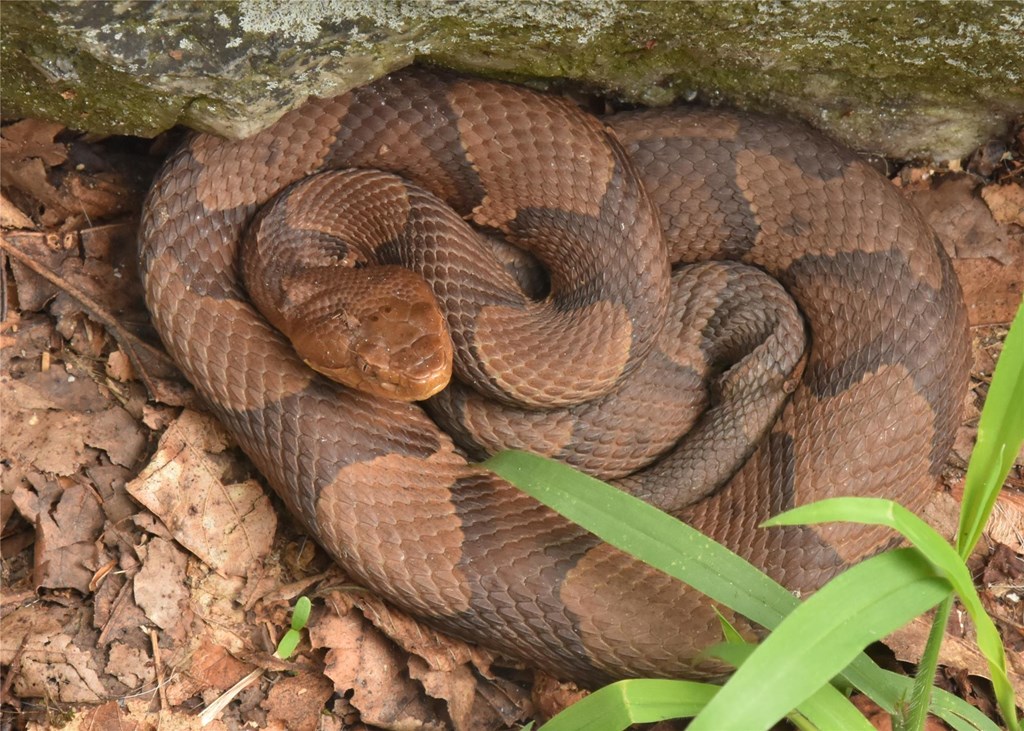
[{"x": 637, "y": 199}]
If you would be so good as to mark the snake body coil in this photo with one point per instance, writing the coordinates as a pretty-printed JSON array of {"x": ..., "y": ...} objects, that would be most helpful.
[{"x": 387, "y": 493}]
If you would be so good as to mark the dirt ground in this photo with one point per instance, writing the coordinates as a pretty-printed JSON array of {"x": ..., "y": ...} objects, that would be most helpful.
[{"x": 146, "y": 572}]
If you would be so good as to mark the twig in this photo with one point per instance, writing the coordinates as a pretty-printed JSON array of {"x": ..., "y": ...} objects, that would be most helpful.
[{"x": 154, "y": 640}]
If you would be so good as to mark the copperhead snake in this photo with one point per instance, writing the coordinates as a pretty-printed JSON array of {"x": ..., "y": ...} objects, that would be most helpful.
[{"x": 390, "y": 496}]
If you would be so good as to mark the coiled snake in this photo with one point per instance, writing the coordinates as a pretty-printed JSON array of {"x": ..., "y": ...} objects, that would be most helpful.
[{"x": 386, "y": 492}]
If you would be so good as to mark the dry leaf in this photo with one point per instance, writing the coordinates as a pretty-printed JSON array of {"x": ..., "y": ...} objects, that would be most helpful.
[
  {"x": 65, "y": 551},
  {"x": 119, "y": 367},
  {"x": 33, "y": 138},
  {"x": 52, "y": 667},
  {"x": 228, "y": 526},
  {"x": 136, "y": 714},
  {"x": 961, "y": 219},
  {"x": 210, "y": 668},
  {"x": 160, "y": 587},
  {"x": 36, "y": 620},
  {"x": 117, "y": 433},
  {"x": 297, "y": 702},
  {"x": 959, "y": 649},
  {"x": 449, "y": 669},
  {"x": 992, "y": 291},
  {"x": 1006, "y": 202},
  {"x": 361, "y": 660},
  {"x": 131, "y": 665},
  {"x": 11, "y": 216}
]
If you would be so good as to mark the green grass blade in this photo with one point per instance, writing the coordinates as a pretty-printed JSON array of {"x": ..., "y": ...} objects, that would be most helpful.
[
  {"x": 1000, "y": 435},
  {"x": 659, "y": 539},
  {"x": 649, "y": 534},
  {"x": 826, "y": 708},
  {"x": 934, "y": 547},
  {"x": 822, "y": 636},
  {"x": 622, "y": 704}
]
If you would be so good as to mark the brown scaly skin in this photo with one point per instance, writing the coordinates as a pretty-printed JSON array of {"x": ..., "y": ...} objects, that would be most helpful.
[{"x": 387, "y": 493}]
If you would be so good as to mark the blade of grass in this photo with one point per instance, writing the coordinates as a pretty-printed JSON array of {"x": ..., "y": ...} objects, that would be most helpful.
[
  {"x": 677, "y": 549},
  {"x": 826, "y": 708},
  {"x": 619, "y": 705},
  {"x": 1000, "y": 435},
  {"x": 934, "y": 547},
  {"x": 822, "y": 636},
  {"x": 644, "y": 531}
]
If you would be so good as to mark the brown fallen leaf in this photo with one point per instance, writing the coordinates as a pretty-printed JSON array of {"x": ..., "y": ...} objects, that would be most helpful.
[
  {"x": 210, "y": 669},
  {"x": 229, "y": 526},
  {"x": 65, "y": 192},
  {"x": 1006, "y": 202},
  {"x": 992, "y": 290},
  {"x": 37, "y": 619},
  {"x": 66, "y": 534},
  {"x": 551, "y": 696},
  {"x": 361, "y": 661},
  {"x": 131, "y": 665},
  {"x": 1002, "y": 590},
  {"x": 959, "y": 648},
  {"x": 1006, "y": 524},
  {"x": 11, "y": 216},
  {"x": 119, "y": 367},
  {"x": 117, "y": 433},
  {"x": 48, "y": 267},
  {"x": 449, "y": 669},
  {"x": 29, "y": 151},
  {"x": 159, "y": 587},
  {"x": 115, "y": 612},
  {"x": 53, "y": 667},
  {"x": 67, "y": 524},
  {"x": 882, "y": 721},
  {"x": 136, "y": 714},
  {"x": 47, "y": 417},
  {"x": 961, "y": 219},
  {"x": 30, "y": 139},
  {"x": 108, "y": 716},
  {"x": 297, "y": 702},
  {"x": 440, "y": 651}
]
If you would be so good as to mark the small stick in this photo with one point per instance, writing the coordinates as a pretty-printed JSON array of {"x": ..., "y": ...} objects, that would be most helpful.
[{"x": 161, "y": 686}]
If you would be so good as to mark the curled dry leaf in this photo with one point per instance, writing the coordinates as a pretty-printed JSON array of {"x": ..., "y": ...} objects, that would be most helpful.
[
  {"x": 961, "y": 219},
  {"x": 447, "y": 668},
  {"x": 361, "y": 660}
]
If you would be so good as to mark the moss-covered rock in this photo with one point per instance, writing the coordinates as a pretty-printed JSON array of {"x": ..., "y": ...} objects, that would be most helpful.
[{"x": 908, "y": 79}]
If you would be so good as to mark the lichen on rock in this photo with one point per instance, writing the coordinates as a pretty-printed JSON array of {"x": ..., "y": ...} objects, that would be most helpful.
[{"x": 910, "y": 79}]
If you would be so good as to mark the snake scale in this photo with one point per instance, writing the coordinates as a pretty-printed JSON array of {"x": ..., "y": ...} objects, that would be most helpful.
[{"x": 390, "y": 496}]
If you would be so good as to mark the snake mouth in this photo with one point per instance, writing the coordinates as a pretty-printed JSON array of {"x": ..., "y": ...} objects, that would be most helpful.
[{"x": 383, "y": 383}]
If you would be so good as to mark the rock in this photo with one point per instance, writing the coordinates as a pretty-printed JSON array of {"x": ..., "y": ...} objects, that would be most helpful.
[{"x": 906, "y": 80}]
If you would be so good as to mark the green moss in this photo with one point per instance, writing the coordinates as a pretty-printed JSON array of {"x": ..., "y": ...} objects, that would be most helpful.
[
  {"x": 928, "y": 78},
  {"x": 71, "y": 88}
]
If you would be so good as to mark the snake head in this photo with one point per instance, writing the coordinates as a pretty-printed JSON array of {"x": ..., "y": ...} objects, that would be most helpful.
[{"x": 392, "y": 344}]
